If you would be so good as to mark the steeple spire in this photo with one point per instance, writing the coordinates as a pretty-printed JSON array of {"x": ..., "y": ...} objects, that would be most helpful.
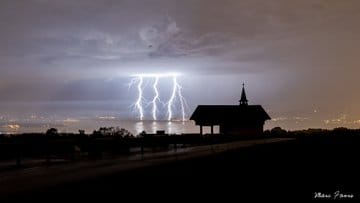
[{"x": 243, "y": 101}]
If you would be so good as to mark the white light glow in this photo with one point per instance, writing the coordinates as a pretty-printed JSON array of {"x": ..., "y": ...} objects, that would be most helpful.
[
  {"x": 172, "y": 101},
  {"x": 157, "y": 75}
]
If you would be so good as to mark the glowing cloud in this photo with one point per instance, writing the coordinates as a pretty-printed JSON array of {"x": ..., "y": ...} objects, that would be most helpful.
[{"x": 157, "y": 75}]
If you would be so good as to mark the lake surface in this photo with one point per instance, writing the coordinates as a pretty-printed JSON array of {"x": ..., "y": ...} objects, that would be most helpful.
[
  {"x": 89, "y": 125},
  {"x": 70, "y": 116}
]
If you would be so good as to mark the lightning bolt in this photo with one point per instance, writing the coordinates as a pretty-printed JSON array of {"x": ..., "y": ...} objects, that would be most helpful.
[
  {"x": 138, "y": 103},
  {"x": 175, "y": 98},
  {"x": 182, "y": 101},
  {"x": 176, "y": 92},
  {"x": 170, "y": 103},
  {"x": 155, "y": 98}
]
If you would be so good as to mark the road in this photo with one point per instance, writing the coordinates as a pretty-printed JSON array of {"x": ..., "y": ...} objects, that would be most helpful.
[{"x": 35, "y": 178}]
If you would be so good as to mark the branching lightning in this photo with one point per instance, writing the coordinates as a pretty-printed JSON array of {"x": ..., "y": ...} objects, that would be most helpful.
[
  {"x": 182, "y": 101},
  {"x": 138, "y": 103},
  {"x": 176, "y": 96},
  {"x": 155, "y": 99},
  {"x": 172, "y": 98}
]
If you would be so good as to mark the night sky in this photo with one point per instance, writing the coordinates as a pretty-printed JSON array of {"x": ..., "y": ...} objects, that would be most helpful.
[{"x": 70, "y": 60}]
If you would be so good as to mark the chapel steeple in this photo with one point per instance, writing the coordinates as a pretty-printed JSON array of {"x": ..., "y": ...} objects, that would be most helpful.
[{"x": 243, "y": 101}]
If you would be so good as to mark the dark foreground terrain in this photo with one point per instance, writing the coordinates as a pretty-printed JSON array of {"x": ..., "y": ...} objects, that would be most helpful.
[{"x": 292, "y": 170}]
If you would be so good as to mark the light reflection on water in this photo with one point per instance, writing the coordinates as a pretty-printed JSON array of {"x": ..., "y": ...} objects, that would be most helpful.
[
  {"x": 89, "y": 125},
  {"x": 70, "y": 117},
  {"x": 173, "y": 127}
]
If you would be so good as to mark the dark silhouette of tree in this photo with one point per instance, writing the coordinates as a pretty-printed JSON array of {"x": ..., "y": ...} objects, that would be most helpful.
[
  {"x": 96, "y": 133},
  {"x": 341, "y": 131},
  {"x": 122, "y": 132},
  {"x": 278, "y": 131},
  {"x": 267, "y": 133},
  {"x": 52, "y": 132},
  {"x": 112, "y": 131},
  {"x": 143, "y": 133}
]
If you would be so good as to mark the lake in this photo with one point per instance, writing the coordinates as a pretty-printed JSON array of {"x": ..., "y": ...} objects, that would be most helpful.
[{"x": 89, "y": 125}]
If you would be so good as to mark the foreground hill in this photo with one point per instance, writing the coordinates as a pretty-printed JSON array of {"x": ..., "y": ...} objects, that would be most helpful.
[{"x": 292, "y": 169}]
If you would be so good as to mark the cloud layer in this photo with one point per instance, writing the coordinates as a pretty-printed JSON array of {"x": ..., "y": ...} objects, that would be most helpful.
[{"x": 295, "y": 56}]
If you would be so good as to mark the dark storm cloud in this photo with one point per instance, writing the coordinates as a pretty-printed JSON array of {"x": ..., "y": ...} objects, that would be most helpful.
[
  {"x": 84, "y": 32},
  {"x": 55, "y": 49}
]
